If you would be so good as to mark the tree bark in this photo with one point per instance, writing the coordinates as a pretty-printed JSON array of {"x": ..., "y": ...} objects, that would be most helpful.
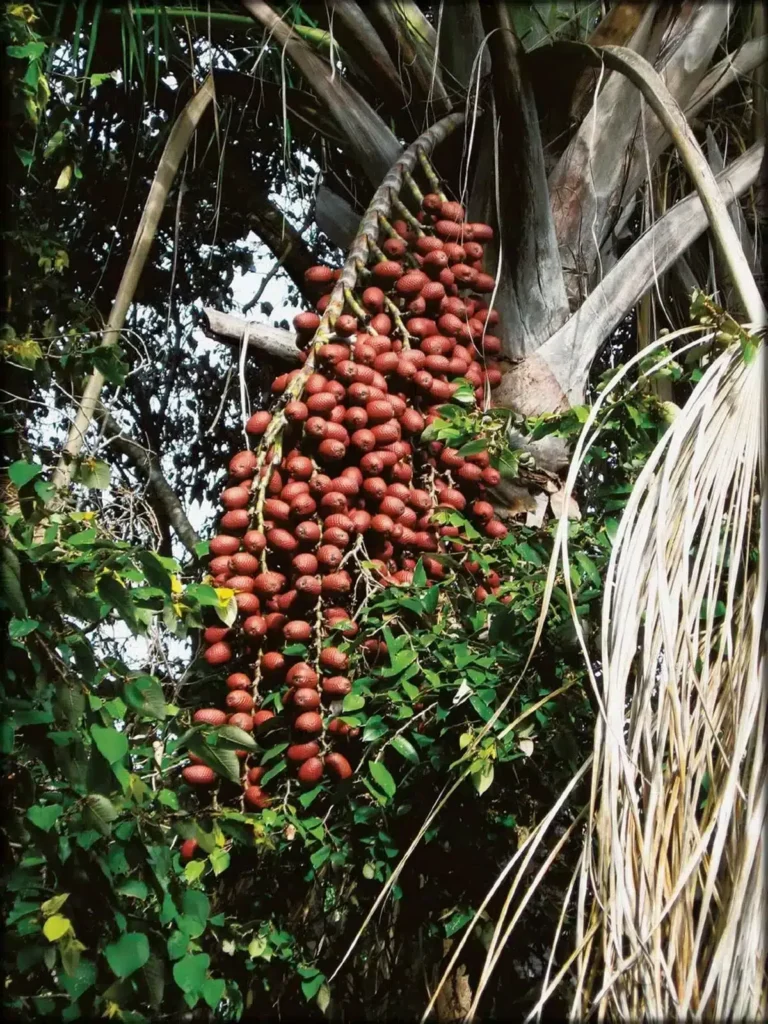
[{"x": 276, "y": 343}]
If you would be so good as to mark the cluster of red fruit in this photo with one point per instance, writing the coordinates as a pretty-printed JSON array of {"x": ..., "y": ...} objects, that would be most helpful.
[{"x": 352, "y": 475}]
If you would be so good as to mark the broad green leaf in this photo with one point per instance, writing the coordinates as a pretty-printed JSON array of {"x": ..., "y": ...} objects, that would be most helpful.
[
  {"x": 54, "y": 904},
  {"x": 189, "y": 972},
  {"x": 56, "y": 927},
  {"x": 128, "y": 954},
  {"x": 80, "y": 980},
  {"x": 353, "y": 702},
  {"x": 154, "y": 976},
  {"x": 311, "y": 986},
  {"x": 117, "y": 597},
  {"x": 223, "y": 761},
  {"x": 32, "y": 50},
  {"x": 406, "y": 749},
  {"x": 133, "y": 887},
  {"x": 213, "y": 991},
  {"x": 112, "y": 745},
  {"x": 483, "y": 778},
  {"x": 196, "y": 905},
  {"x": 219, "y": 861},
  {"x": 22, "y": 472},
  {"x": 100, "y": 813},
  {"x": 239, "y": 737},
  {"x": 44, "y": 817},
  {"x": 18, "y": 628},
  {"x": 145, "y": 695},
  {"x": 382, "y": 777},
  {"x": 178, "y": 943},
  {"x": 95, "y": 474},
  {"x": 194, "y": 870}
]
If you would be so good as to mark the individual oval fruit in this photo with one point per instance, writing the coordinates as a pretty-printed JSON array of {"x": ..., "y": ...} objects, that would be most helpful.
[
  {"x": 239, "y": 700},
  {"x": 238, "y": 681},
  {"x": 301, "y": 675},
  {"x": 262, "y": 716},
  {"x": 337, "y": 686},
  {"x": 302, "y": 751},
  {"x": 258, "y": 423},
  {"x": 333, "y": 658},
  {"x": 311, "y": 771},
  {"x": 210, "y": 716},
  {"x": 338, "y": 766},
  {"x": 308, "y": 721},
  {"x": 198, "y": 775},
  {"x": 255, "y": 796},
  {"x": 305, "y": 699},
  {"x": 188, "y": 849}
]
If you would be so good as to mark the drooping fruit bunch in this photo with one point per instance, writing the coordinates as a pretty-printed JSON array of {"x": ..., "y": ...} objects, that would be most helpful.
[{"x": 341, "y": 490}]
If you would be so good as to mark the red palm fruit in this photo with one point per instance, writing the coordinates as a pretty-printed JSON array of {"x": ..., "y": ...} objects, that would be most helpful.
[
  {"x": 333, "y": 502},
  {"x": 355, "y": 418},
  {"x": 411, "y": 283},
  {"x": 284, "y": 603},
  {"x": 372, "y": 464},
  {"x": 337, "y": 686},
  {"x": 338, "y": 727},
  {"x": 395, "y": 248},
  {"x": 255, "y": 775},
  {"x": 275, "y": 620},
  {"x": 423, "y": 379},
  {"x": 307, "y": 532},
  {"x": 412, "y": 422},
  {"x": 316, "y": 382},
  {"x": 386, "y": 362},
  {"x": 361, "y": 521},
  {"x": 449, "y": 230},
  {"x": 247, "y": 604},
  {"x": 336, "y": 537},
  {"x": 408, "y": 518},
  {"x": 308, "y": 721},
  {"x": 421, "y": 327},
  {"x": 433, "y": 292},
  {"x": 338, "y": 520},
  {"x": 241, "y": 584},
  {"x": 255, "y": 796},
  {"x": 403, "y": 576},
  {"x": 346, "y": 370},
  {"x": 210, "y": 716},
  {"x": 473, "y": 250},
  {"x": 387, "y": 271},
  {"x": 333, "y": 658},
  {"x": 236, "y": 520},
  {"x": 437, "y": 364},
  {"x": 373, "y": 299},
  {"x": 262, "y": 716},
  {"x": 322, "y": 303},
  {"x": 431, "y": 203},
  {"x": 255, "y": 626},
  {"x": 224, "y": 545},
  {"x": 302, "y": 751},
  {"x": 449, "y": 324},
  {"x": 437, "y": 345},
  {"x": 336, "y": 583},
  {"x": 490, "y": 344},
  {"x": 254, "y": 542},
  {"x": 449, "y": 531},
  {"x": 303, "y": 505},
  {"x": 483, "y": 283},
  {"x": 379, "y": 411},
  {"x": 279, "y": 384},
  {"x": 241, "y": 719},
  {"x": 481, "y": 594},
  {"x": 277, "y": 510},
  {"x": 379, "y": 343},
  {"x": 305, "y": 564},
  {"x": 392, "y": 507},
  {"x": 275, "y": 484},
  {"x": 272, "y": 662},
  {"x": 495, "y": 529},
  {"x": 470, "y": 473},
  {"x": 187, "y": 849},
  {"x": 321, "y": 403},
  {"x": 213, "y": 634},
  {"x": 244, "y": 564},
  {"x": 359, "y": 394},
  {"x": 454, "y": 498},
  {"x": 363, "y": 353},
  {"x": 239, "y": 700},
  {"x": 456, "y": 254},
  {"x": 491, "y": 476},
  {"x": 242, "y": 465},
  {"x": 238, "y": 681},
  {"x": 381, "y": 324},
  {"x": 457, "y": 367},
  {"x": 338, "y": 766},
  {"x": 320, "y": 484},
  {"x": 318, "y": 275},
  {"x": 382, "y": 524},
  {"x": 331, "y": 450},
  {"x": 424, "y": 541},
  {"x": 329, "y": 556},
  {"x": 346, "y": 485},
  {"x": 480, "y": 232},
  {"x": 198, "y": 775},
  {"x": 297, "y": 631},
  {"x": 258, "y": 423},
  {"x": 483, "y": 510},
  {"x": 310, "y": 772},
  {"x": 493, "y": 580},
  {"x": 301, "y": 675},
  {"x": 281, "y": 540},
  {"x": 305, "y": 699},
  {"x": 452, "y": 211},
  {"x": 420, "y": 500},
  {"x": 436, "y": 262},
  {"x": 435, "y": 570},
  {"x": 386, "y": 433},
  {"x": 218, "y": 654},
  {"x": 330, "y": 353},
  {"x": 364, "y": 440},
  {"x": 354, "y": 472},
  {"x": 311, "y": 586},
  {"x": 470, "y": 331},
  {"x": 346, "y": 325},
  {"x": 375, "y": 487},
  {"x": 296, "y": 412}
]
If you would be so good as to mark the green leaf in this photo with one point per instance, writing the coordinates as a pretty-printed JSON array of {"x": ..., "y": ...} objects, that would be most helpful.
[
  {"x": 56, "y": 927},
  {"x": 189, "y": 972},
  {"x": 382, "y": 777},
  {"x": 589, "y": 568},
  {"x": 117, "y": 597},
  {"x": 406, "y": 749},
  {"x": 18, "y": 628},
  {"x": 353, "y": 702},
  {"x": 94, "y": 473},
  {"x": 203, "y": 594},
  {"x": 219, "y": 861},
  {"x": 311, "y": 986},
  {"x": 100, "y": 813},
  {"x": 80, "y": 980},
  {"x": 483, "y": 778},
  {"x": 54, "y": 904},
  {"x": 473, "y": 447},
  {"x": 223, "y": 761},
  {"x": 133, "y": 887},
  {"x": 178, "y": 943},
  {"x": 145, "y": 695},
  {"x": 44, "y": 817},
  {"x": 213, "y": 991},
  {"x": 240, "y": 739},
  {"x": 31, "y": 50},
  {"x": 22, "y": 472},
  {"x": 154, "y": 975},
  {"x": 128, "y": 954},
  {"x": 196, "y": 905},
  {"x": 111, "y": 744},
  {"x": 194, "y": 870}
]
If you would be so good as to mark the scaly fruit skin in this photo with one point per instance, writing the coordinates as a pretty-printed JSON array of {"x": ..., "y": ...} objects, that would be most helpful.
[
  {"x": 198, "y": 775},
  {"x": 345, "y": 465}
]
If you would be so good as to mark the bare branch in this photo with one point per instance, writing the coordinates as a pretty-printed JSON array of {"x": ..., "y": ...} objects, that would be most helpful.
[
  {"x": 149, "y": 465},
  {"x": 178, "y": 140},
  {"x": 271, "y": 340}
]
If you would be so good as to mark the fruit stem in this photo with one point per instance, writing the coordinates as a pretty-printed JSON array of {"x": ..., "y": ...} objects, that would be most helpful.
[
  {"x": 410, "y": 259},
  {"x": 431, "y": 175},
  {"x": 416, "y": 192},
  {"x": 399, "y": 324},
  {"x": 357, "y": 309},
  {"x": 407, "y": 216}
]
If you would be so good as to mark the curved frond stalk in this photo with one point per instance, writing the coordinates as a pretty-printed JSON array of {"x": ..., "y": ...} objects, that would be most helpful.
[{"x": 178, "y": 140}]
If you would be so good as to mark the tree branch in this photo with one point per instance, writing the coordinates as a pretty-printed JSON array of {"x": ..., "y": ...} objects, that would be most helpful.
[
  {"x": 271, "y": 340},
  {"x": 149, "y": 464},
  {"x": 183, "y": 129}
]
